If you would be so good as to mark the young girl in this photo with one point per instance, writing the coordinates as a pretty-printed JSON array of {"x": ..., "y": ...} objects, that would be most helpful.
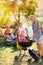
[{"x": 21, "y": 33}]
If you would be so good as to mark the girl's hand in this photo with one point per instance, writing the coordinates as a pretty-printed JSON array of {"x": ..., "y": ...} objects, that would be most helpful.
[{"x": 32, "y": 37}]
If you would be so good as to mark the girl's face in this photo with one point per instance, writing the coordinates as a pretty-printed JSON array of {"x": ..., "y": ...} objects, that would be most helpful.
[{"x": 20, "y": 24}]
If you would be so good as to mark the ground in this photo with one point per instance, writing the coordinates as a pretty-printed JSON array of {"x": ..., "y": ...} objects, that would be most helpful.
[{"x": 8, "y": 53}]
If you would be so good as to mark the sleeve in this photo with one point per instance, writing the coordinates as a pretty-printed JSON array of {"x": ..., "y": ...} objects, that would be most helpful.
[
  {"x": 39, "y": 24},
  {"x": 32, "y": 26}
]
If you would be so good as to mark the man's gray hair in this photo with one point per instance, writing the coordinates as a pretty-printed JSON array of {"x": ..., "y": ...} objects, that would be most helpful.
[{"x": 32, "y": 16}]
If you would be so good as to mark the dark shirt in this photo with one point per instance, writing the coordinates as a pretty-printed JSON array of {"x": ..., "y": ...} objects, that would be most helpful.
[
  {"x": 15, "y": 31},
  {"x": 41, "y": 32}
]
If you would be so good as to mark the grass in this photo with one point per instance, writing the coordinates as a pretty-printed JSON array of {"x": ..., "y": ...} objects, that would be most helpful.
[{"x": 6, "y": 53}]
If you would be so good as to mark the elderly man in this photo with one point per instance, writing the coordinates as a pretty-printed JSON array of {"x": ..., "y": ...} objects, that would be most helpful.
[{"x": 36, "y": 33}]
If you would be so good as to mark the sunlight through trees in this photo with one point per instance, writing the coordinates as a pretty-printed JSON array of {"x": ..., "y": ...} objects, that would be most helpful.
[{"x": 16, "y": 7}]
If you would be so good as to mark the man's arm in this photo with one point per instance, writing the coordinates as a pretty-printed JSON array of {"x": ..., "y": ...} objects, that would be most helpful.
[{"x": 39, "y": 29}]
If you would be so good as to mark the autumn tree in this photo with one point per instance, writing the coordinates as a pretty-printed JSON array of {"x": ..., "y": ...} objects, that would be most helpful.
[{"x": 16, "y": 7}]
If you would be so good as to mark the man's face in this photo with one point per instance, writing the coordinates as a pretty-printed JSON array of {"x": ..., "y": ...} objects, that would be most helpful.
[{"x": 32, "y": 19}]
